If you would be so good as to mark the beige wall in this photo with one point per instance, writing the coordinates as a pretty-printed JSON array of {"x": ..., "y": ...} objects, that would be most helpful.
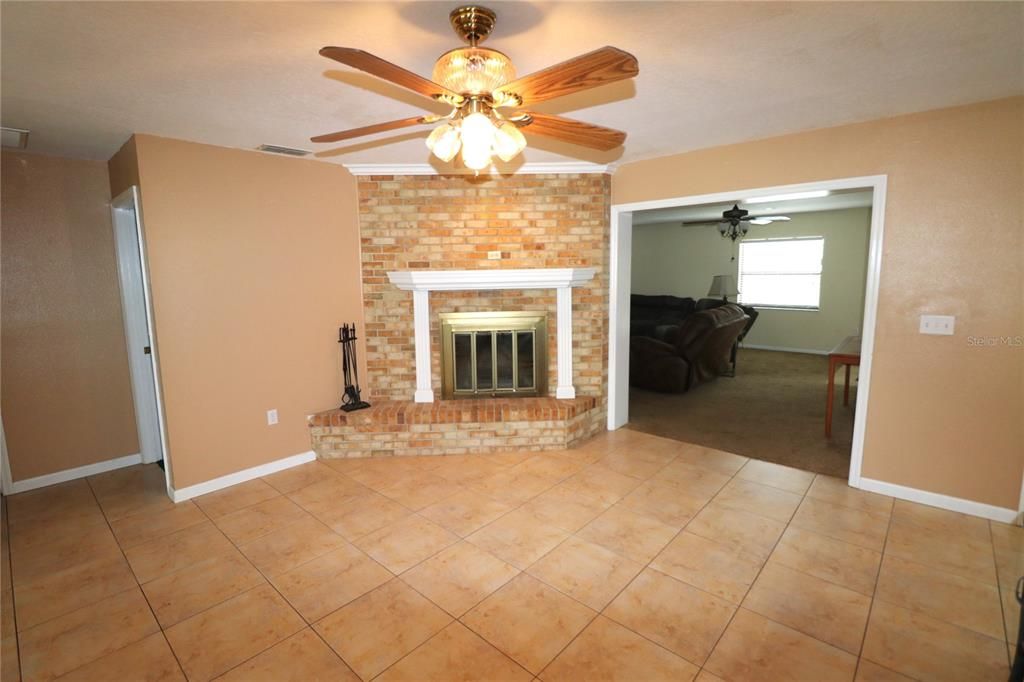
[
  {"x": 944, "y": 416},
  {"x": 254, "y": 263},
  {"x": 66, "y": 390},
  {"x": 671, "y": 259}
]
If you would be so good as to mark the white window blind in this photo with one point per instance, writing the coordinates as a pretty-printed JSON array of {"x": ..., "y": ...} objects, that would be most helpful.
[{"x": 781, "y": 273}]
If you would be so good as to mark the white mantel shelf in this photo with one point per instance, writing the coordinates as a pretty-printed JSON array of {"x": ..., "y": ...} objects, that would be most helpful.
[
  {"x": 422, "y": 282},
  {"x": 483, "y": 280}
]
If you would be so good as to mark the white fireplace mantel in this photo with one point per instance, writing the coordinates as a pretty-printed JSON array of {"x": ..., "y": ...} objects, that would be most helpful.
[{"x": 422, "y": 282}]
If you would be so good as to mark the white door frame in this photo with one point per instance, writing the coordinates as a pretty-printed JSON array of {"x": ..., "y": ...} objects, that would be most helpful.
[
  {"x": 133, "y": 275},
  {"x": 620, "y": 274}
]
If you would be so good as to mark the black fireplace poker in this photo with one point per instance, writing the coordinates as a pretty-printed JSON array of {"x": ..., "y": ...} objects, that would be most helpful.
[{"x": 350, "y": 399}]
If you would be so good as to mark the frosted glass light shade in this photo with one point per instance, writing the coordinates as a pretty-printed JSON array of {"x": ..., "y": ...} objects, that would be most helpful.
[
  {"x": 508, "y": 141},
  {"x": 477, "y": 138},
  {"x": 476, "y": 160},
  {"x": 444, "y": 141},
  {"x": 473, "y": 70}
]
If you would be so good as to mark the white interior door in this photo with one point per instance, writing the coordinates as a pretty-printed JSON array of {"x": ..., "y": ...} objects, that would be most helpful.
[{"x": 137, "y": 322}]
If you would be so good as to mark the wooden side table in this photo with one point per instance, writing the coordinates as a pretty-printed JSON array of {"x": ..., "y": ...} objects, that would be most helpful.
[{"x": 847, "y": 353}]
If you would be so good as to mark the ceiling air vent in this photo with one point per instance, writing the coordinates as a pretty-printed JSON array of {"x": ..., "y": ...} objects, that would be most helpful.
[
  {"x": 287, "y": 151},
  {"x": 15, "y": 138}
]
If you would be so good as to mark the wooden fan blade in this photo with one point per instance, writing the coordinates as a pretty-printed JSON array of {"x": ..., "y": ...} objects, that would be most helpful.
[
  {"x": 364, "y": 61},
  {"x": 607, "y": 65},
  {"x": 369, "y": 130},
  {"x": 576, "y": 132}
]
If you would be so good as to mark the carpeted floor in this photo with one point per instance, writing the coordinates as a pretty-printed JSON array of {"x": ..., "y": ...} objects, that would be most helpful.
[{"x": 773, "y": 409}]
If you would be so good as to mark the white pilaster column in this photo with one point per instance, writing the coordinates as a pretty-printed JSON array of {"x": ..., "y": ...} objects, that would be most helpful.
[
  {"x": 565, "y": 389},
  {"x": 421, "y": 325}
]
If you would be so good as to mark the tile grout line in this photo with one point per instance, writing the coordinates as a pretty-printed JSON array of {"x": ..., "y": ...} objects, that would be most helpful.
[
  {"x": 107, "y": 523},
  {"x": 458, "y": 620},
  {"x": 267, "y": 578},
  {"x": 999, "y": 591},
  {"x": 597, "y": 613},
  {"x": 520, "y": 572},
  {"x": 138, "y": 585},
  {"x": 648, "y": 566},
  {"x": 395, "y": 576},
  {"x": 874, "y": 592},
  {"x": 601, "y": 612},
  {"x": 463, "y": 486},
  {"x": 398, "y": 576},
  {"x": 521, "y": 505},
  {"x": 739, "y": 606},
  {"x": 10, "y": 567},
  {"x": 268, "y": 581}
]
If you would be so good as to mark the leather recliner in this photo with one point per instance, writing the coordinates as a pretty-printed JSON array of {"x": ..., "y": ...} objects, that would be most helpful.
[{"x": 697, "y": 350}]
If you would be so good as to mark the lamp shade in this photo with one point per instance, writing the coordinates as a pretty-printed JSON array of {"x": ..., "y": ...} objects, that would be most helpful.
[{"x": 723, "y": 285}]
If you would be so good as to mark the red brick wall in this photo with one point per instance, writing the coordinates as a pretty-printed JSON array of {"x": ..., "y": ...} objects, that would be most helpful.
[{"x": 451, "y": 222}]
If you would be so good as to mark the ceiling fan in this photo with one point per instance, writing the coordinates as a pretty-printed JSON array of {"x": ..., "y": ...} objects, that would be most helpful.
[
  {"x": 735, "y": 222},
  {"x": 480, "y": 86}
]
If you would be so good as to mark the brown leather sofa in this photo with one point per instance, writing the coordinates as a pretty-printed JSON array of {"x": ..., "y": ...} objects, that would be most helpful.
[{"x": 697, "y": 350}]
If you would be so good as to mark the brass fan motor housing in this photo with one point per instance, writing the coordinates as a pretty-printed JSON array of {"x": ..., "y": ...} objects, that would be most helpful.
[{"x": 473, "y": 23}]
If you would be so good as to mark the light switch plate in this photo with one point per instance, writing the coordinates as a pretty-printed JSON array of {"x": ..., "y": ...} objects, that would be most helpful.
[
  {"x": 494, "y": 255},
  {"x": 271, "y": 417},
  {"x": 941, "y": 325}
]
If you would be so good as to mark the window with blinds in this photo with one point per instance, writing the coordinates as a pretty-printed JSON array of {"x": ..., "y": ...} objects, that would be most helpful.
[{"x": 781, "y": 273}]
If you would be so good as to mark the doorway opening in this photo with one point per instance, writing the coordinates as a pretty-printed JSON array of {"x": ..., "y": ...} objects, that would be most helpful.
[
  {"x": 137, "y": 310},
  {"x": 748, "y": 297}
]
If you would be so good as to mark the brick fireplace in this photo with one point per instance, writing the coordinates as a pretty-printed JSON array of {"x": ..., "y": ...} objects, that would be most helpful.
[{"x": 429, "y": 223}]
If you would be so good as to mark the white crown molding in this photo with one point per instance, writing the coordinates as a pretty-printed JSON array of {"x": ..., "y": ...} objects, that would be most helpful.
[{"x": 576, "y": 167}]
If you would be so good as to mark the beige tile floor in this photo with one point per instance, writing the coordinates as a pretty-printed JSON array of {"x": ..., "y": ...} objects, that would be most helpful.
[{"x": 630, "y": 558}]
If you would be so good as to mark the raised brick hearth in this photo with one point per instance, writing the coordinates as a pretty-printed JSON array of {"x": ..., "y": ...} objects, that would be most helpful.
[{"x": 453, "y": 427}]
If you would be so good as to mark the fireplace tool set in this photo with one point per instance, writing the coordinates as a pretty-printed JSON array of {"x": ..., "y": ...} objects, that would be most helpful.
[{"x": 350, "y": 399}]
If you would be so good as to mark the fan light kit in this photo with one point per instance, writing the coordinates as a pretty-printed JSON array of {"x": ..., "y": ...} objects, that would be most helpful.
[
  {"x": 736, "y": 222},
  {"x": 480, "y": 86}
]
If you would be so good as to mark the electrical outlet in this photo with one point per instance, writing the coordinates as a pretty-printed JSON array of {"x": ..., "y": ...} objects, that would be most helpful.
[
  {"x": 271, "y": 417},
  {"x": 941, "y": 325},
  {"x": 494, "y": 255}
]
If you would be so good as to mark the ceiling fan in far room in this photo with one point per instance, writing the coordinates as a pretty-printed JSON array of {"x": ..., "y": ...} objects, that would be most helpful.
[
  {"x": 736, "y": 222},
  {"x": 480, "y": 86}
]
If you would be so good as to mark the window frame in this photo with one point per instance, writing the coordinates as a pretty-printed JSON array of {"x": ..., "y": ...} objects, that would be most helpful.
[{"x": 786, "y": 306}]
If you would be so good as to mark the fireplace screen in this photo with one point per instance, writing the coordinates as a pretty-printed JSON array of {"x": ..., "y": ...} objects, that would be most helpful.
[{"x": 495, "y": 354}]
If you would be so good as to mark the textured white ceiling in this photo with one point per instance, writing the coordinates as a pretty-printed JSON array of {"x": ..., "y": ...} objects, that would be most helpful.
[{"x": 84, "y": 76}]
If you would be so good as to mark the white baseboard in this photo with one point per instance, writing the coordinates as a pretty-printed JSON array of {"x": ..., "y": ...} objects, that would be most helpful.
[
  {"x": 782, "y": 349},
  {"x": 987, "y": 511},
  {"x": 241, "y": 476},
  {"x": 78, "y": 472}
]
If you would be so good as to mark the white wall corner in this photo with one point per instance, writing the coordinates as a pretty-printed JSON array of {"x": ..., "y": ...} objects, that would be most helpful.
[{"x": 215, "y": 484}]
